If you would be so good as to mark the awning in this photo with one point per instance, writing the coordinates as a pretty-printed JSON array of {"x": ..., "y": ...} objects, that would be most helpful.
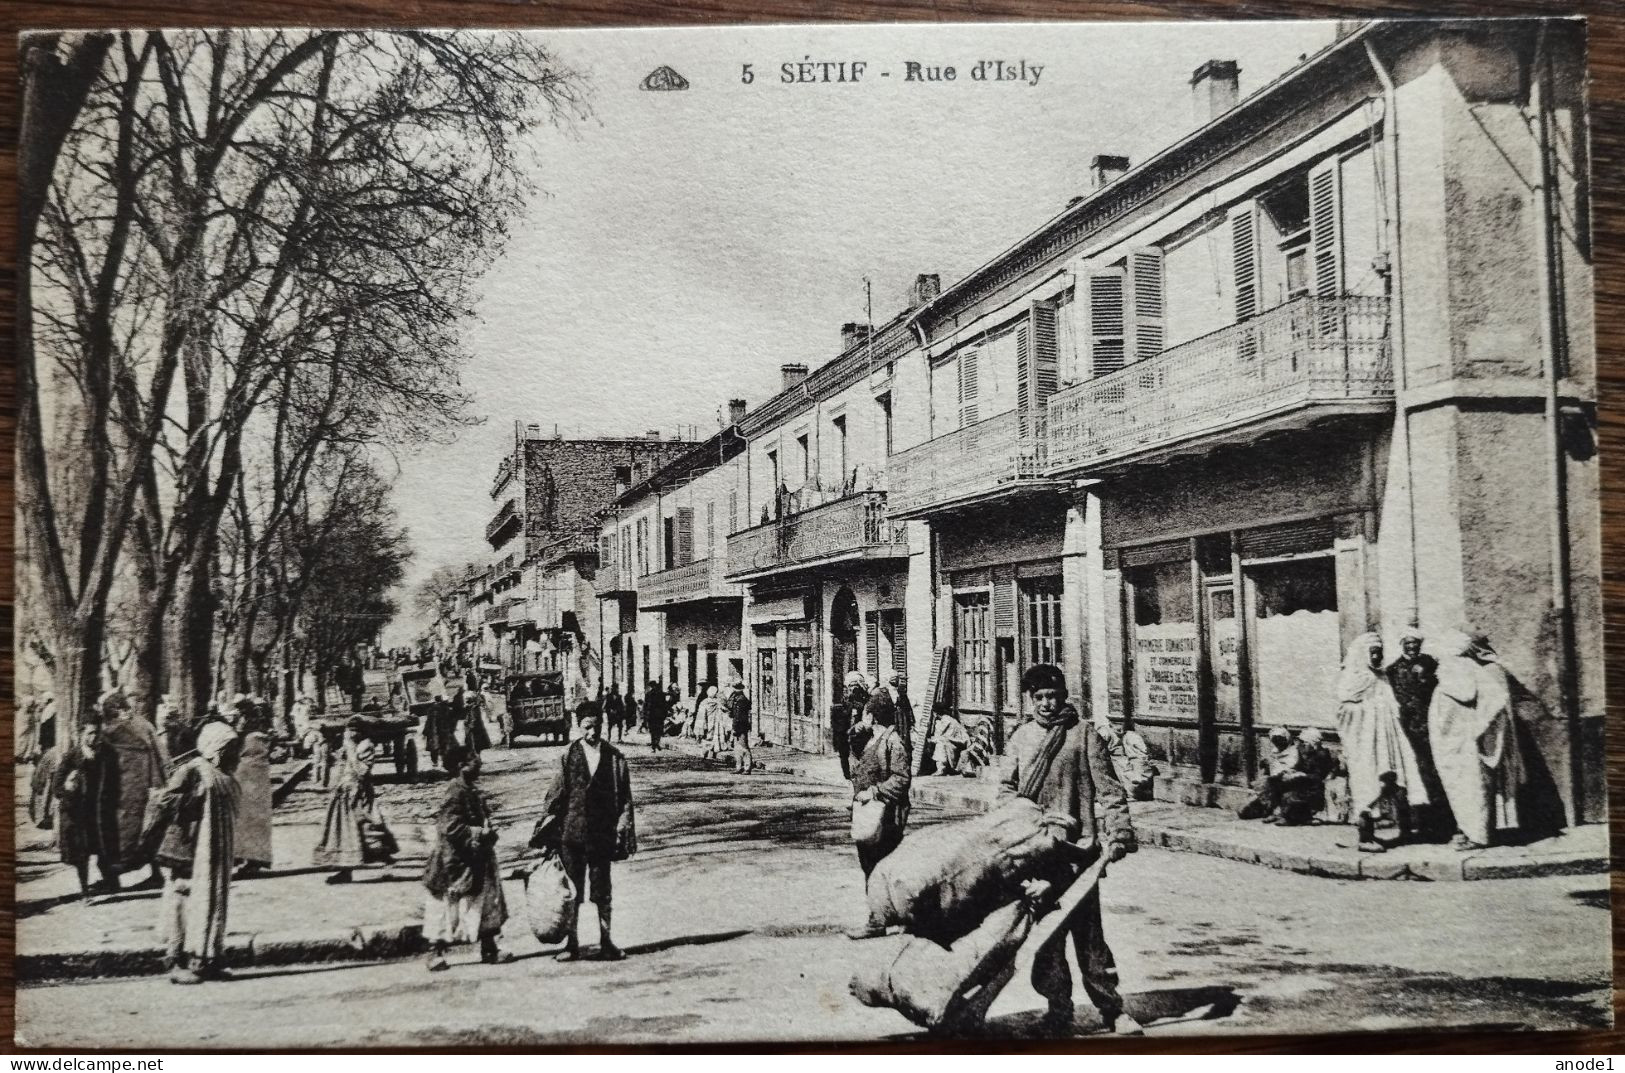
[{"x": 783, "y": 607}]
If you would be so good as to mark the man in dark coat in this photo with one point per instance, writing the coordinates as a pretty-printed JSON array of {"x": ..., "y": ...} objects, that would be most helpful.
[
  {"x": 1413, "y": 677},
  {"x": 588, "y": 812},
  {"x": 614, "y": 715},
  {"x": 654, "y": 713},
  {"x": 738, "y": 707},
  {"x": 86, "y": 786},
  {"x": 905, "y": 711},
  {"x": 843, "y": 720},
  {"x": 1059, "y": 761}
]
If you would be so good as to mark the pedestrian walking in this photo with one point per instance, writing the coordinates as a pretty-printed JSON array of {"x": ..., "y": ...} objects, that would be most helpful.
[
  {"x": 141, "y": 774},
  {"x": 654, "y": 714},
  {"x": 880, "y": 783},
  {"x": 844, "y": 715},
  {"x": 738, "y": 714},
  {"x": 1063, "y": 756},
  {"x": 631, "y": 707},
  {"x": 28, "y": 749},
  {"x": 614, "y": 714},
  {"x": 191, "y": 834},
  {"x": 1368, "y": 726},
  {"x": 355, "y": 833},
  {"x": 253, "y": 835},
  {"x": 587, "y": 815},
  {"x": 464, "y": 901},
  {"x": 905, "y": 712},
  {"x": 711, "y": 726},
  {"x": 171, "y": 724},
  {"x": 1475, "y": 740},
  {"x": 86, "y": 788}
]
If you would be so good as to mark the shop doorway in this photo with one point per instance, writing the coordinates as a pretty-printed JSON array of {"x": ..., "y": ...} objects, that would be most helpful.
[{"x": 843, "y": 631}]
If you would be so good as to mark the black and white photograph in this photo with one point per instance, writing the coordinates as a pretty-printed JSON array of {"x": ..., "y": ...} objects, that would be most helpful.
[{"x": 807, "y": 534}]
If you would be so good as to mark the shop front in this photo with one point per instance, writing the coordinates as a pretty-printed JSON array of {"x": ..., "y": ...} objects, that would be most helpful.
[
  {"x": 783, "y": 666},
  {"x": 1001, "y": 599},
  {"x": 1239, "y": 623}
]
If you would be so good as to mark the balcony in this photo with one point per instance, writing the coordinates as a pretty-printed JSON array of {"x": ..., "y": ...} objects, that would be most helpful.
[
  {"x": 690, "y": 583},
  {"x": 1301, "y": 362},
  {"x": 855, "y": 527},
  {"x": 505, "y": 525},
  {"x": 611, "y": 581},
  {"x": 989, "y": 460}
]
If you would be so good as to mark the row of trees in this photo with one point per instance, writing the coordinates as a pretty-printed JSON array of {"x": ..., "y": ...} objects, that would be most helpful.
[{"x": 246, "y": 260}]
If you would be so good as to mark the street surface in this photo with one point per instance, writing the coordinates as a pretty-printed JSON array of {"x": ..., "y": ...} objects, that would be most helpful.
[{"x": 732, "y": 917}]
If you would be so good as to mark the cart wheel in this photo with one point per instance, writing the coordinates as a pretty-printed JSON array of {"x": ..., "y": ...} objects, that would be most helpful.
[{"x": 411, "y": 758}]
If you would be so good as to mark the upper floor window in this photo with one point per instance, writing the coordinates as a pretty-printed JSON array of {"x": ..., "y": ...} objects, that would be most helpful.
[
  {"x": 884, "y": 402},
  {"x": 838, "y": 428}
]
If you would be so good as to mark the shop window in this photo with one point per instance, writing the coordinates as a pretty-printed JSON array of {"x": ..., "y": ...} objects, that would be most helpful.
[
  {"x": 672, "y": 667},
  {"x": 1164, "y": 641},
  {"x": 1298, "y": 647},
  {"x": 975, "y": 637},
  {"x": 1039, "y": 607},
  {"x": 767, "y": 680}
]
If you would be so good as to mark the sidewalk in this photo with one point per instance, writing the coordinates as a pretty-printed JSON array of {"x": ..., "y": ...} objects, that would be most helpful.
[
  {"x": 1328, "y": 850},
  {"x": 288, "y": 915}
]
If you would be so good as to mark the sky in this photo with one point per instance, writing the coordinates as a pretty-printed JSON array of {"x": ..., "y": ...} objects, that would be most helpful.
[{"x": 684, "y": 245}]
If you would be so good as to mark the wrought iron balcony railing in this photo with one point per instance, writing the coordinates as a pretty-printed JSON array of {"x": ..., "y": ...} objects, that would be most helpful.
[
  {"x": 855, "y": 527},
  {"x": 1311, "y": 353},
  {"x": 507, "y": 517},
  {"x": 690, "y": 583},
  {"x": 1001, "y": 454}
]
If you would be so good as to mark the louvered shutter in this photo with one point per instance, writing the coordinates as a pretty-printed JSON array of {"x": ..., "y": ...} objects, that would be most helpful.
[
  {"x": 1244, "y": 249},
  {"x": 1245, "y": 257},
  {"x": 1325, "y": 229},
  {"x": 1145, "y": 303},
  {"x": 969, "y": 411},
  {"x": 1106, "y": 322},
  {"x": 871, "y": 639},
  {"x": 684, "y": 552},
  {"x": 1004, "y": 601},
  {"x": 1024, "y": 372},
  {"x": 710, "y": 529},
  {"x": 899, "y": 643}
]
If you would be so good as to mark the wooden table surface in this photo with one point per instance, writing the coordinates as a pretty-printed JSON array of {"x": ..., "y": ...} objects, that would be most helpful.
[{"x": 1607, "y": 54}]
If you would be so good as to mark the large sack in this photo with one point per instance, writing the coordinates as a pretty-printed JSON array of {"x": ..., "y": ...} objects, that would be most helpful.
[
  {"x": 550, "y": 901},
  {"x": 942, "y": 881},
  {"x": 940, "y": 986}
]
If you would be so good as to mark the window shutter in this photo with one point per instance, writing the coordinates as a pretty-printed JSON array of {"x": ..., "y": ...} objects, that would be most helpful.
[
  {"x": 1106, "y": 350},
  {"x": 710, "y": 529},
  {"x": 1145, "y": 303},
  {"x": 1004, "y": 601},
  {"x": 1037, "y": 368},
  {"x": 733, "y": 511},
  {"x": 1024, "y": 372},
  {"x": 899, "y": 643},
  {"x": 1325, "y": 229},
  {"x": 684, "y": 552},
  {"x": 871, "y": 637},
  {"x": 1244, "y": 246},
  {"x": 969, "y": 412}
]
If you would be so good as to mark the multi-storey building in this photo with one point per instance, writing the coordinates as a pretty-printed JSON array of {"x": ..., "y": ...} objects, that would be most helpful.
[
  {"x": 1327, "y": 363},
  {"x": 535, "y": 600},
  {"x": 826, "y": 566},
  {"x": 669, "y": 613}
]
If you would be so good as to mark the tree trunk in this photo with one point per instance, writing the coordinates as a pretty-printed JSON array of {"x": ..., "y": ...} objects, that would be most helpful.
[{"x": 190, "y": 634}]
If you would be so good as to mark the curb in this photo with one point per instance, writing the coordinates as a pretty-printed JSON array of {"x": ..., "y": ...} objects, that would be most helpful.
[
  {"x": 372, "y": 942},
  {"x": 1372, "y": 867}
]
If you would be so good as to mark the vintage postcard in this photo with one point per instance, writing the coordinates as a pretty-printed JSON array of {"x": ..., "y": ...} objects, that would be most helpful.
[{"x": 807, "y": 533}]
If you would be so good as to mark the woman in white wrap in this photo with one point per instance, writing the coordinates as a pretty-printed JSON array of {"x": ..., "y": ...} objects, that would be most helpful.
[
  {"x": 1368, "y": 725},
  {"x": 1475, "y": 743}
]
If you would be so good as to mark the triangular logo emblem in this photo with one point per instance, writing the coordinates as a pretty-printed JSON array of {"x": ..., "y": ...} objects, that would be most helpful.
[{"x": 664, "y": 78}]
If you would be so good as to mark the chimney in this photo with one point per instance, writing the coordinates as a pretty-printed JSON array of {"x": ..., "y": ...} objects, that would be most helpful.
[
  {"x": 736, "y": 411},
  {"x": 1105, "y": 168},
  {"x": 1215, "y": 88},
  {"x": 852, "y": 334},
  {"x": 793, "y": 373},
  {"x": 652, "y": 434},
  {"x": 1071, "y": 201},
  {"x": 927, "y": 285}
]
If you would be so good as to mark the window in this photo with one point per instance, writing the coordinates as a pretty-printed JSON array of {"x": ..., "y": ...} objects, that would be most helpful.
[
  {"x": 884, "y": 402},
  {"x": 733, "y": 510},
  {"x": 838, "y": 424},
  {"x": 975, "y": 642},
  {"x": 773, "y": 472},
  {"x": 1296, "y": 646},
  {"x": 673, "y": 666},
  {"x": 1039, "y": 607},
  {"x": 767, "y": 678},
  {"x": 1164, "y": 639},
  {"x": 804, "y": 452},
  {"x": 623, "y": 475},
  {"x": 694, "y": 670},
  {"x": 969, "y": 388},
  {"x": 710, "y": 530}
]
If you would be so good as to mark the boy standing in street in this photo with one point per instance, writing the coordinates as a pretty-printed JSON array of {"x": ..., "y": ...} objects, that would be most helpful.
[
  {"x": 1078, "y": 776},
  {"x": 739, "y": 714}
]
